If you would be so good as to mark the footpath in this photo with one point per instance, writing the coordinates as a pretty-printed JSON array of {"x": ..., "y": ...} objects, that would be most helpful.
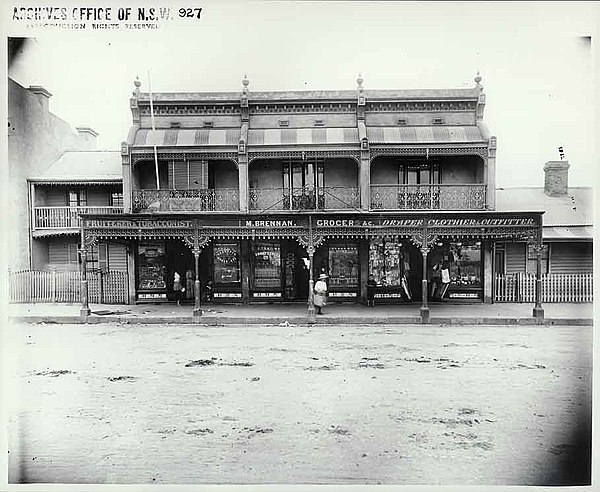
[{"x": 296, "y": 313}]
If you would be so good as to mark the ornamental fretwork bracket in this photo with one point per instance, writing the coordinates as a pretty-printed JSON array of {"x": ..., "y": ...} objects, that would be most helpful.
[
  {"x": 417, "y": 240},
  {"x": 89, "y": 240},
  {"x": 304, "y": 241},
  {"x": 196, "y": 247}
]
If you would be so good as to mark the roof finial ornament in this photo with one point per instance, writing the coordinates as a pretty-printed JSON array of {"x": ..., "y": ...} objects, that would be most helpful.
[
  {"x": 245, "y": 83},
  {"x": 137, "y": 84},
  {"x": 478, "y": 79},
  {"x": 360, "y": 81}
]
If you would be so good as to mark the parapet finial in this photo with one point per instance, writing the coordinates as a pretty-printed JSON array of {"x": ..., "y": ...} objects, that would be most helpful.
[
  {"x": 137, "y": 85},
  {"x": 245, "y": 83},
  {"x": 360, "y": 81},
  {"x": 478, "y": 79}
]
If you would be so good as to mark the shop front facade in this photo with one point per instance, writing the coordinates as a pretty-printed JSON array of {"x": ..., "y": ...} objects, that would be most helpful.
[
  {"x": 242, "y": 258},
  {"x": 251, "y": 196}
]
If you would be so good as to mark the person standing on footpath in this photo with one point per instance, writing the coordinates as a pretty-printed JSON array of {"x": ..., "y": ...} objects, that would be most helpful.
[
  {"x": 177, "y": 288},
  {"x": 320, "y": 297}
]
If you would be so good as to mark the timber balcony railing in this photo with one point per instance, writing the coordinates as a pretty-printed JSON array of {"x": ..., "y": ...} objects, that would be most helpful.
[
  {"x": 323, "y": 198},
  {"x": 66, "y": 217},
  {"x": 428, "y": 197},
  {"x": 214, "y": 200}
]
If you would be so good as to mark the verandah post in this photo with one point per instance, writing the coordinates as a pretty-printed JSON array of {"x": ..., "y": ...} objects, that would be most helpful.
[
  {"x": 424, "y": 306},
  {"x": 538, "y": 311},
  {"x": 197, "y": 309},
  {"x": 424, "y": 251},
  {"x": 312, "y": 318},
  {"x": 85, "y": 307}
]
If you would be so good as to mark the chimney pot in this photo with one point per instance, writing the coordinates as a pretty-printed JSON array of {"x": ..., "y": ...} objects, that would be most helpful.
[{"x": 556, "y": 182}]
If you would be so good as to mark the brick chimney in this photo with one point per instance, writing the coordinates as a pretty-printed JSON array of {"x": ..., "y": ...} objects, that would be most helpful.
[
  {"x": 43, "y": 96},
  {"x": 87, "y": 138},
  {"x": 556, "y": 182}
]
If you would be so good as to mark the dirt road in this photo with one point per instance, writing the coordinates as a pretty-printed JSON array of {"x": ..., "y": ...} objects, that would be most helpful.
[{"x": 340, "y": 404}]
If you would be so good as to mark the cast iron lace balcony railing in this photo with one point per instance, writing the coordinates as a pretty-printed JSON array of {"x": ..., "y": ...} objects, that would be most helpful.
[
  {"x": 324, "y": 198},
  {"x": 67, "y": 217},
  {"x": 214, "y": 200},
  {"x": 428, "y": 197}
]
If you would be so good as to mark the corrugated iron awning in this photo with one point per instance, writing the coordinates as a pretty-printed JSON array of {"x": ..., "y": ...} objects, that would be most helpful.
[
  {"x": 303, "y": 136},
  {"x": 217, "y": 137},
  {"x": 568, "y": 233},
  {"x": 424, "y": 134}
]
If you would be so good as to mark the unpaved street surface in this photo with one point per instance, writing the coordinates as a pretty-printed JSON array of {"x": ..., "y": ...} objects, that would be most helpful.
[{"x": 269, "y": 404}]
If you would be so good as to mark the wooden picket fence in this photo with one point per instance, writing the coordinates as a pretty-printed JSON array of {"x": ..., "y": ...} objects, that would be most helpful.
[
  {"x": 520, "y": 287},
  {"x": 54, "y": 286}
]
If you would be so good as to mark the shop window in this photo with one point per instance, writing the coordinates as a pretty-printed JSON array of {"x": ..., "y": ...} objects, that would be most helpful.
[
  {"x": 465, "y": 264},
  {"x": 151, "y": 269},
  {"x": 343, "y": 266},
  {"x": 116, "y": 199},
  {"x": 267, "y": 265},
  {"x": 226, "y": 259},
  {"x": 532, "y": 260},
  {"x": 388, "y": 262}
]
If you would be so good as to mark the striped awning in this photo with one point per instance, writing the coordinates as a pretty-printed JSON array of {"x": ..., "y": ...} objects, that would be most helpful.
[
  {"x": 303, "y": 136},
  {"x": 217, "y": 137},
  {"x": 56, "y": 232},
  {"x": 424, "y": 134},
  {"x": 570, "y": 233}
]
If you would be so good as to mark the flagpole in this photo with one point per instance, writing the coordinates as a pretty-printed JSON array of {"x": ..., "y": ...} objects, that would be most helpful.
[{"x": 153, "y": 132}]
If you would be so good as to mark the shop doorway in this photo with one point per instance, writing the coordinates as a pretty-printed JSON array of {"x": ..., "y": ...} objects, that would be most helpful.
[
  {"x": 179, "y": 258},
  {"x": 295, "y": 271}
]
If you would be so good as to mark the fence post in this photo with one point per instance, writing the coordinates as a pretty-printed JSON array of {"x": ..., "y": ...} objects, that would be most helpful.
[{"x": 53, "y": 284}]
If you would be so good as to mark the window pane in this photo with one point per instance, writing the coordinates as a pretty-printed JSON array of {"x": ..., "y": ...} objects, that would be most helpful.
[
  {"x": 267, "y": 265},
  {"x": 343, "y": 266},
  {"x": 226, "y": 259}
]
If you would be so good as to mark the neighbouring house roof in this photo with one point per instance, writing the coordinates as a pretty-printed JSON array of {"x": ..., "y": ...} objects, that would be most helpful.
[
  {"x": 88, "y": 167},
  {"x": 565, "y": 217}
]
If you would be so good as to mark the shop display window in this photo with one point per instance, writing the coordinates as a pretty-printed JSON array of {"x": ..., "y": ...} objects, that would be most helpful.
[
  {"x": 151, "y": 270},
  {"x": 343, "y": 266},
  {"x": 465, "y": 264},
  {"x": 267, "y": 265},
  {"x": 387, "y": 263},
  {"x": 226, "y": 259}
]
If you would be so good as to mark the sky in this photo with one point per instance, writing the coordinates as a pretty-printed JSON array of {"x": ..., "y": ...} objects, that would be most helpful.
[{"x": 535, "y": 60}]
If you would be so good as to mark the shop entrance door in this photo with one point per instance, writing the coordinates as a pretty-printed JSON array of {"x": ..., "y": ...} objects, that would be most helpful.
[{"x": 295, "y": 271}]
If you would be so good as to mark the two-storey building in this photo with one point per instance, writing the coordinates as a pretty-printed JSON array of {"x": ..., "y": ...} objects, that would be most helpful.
[{"x": 257, "y": 193}]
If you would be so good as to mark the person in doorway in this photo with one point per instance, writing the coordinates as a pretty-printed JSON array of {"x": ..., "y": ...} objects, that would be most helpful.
[
  {"x": 177, "y": 288},
  {"x": 445, "y": 278},
  {"x": 320, "y": 294},
  {"x": 371, "y": 284},
  {"x": 189, "y": 284},
  {"x": 209, "y": 291}
]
